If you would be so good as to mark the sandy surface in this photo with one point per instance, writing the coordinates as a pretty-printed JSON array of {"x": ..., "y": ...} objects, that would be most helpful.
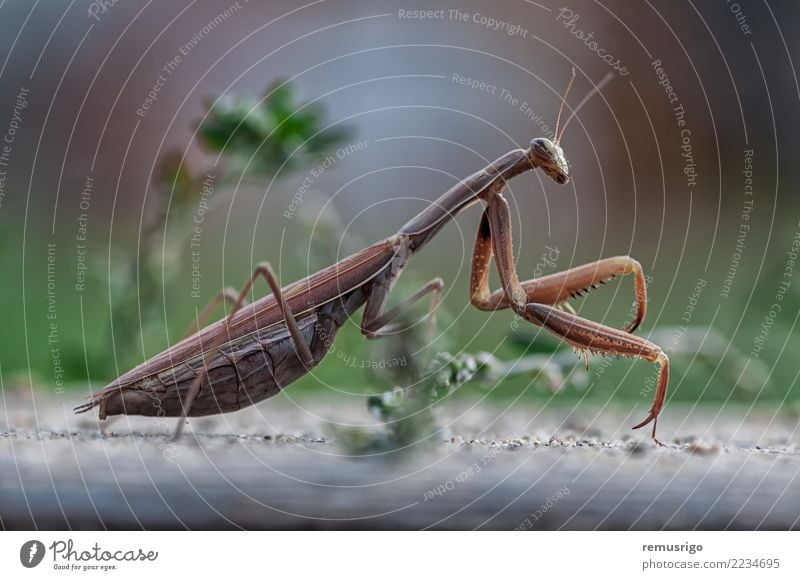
[{"x": 277, "y": 466}]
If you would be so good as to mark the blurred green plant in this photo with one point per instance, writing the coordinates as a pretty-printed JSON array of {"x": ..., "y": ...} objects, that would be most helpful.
[
  {"x": 270, "y": 135},
  {"x": 692, "y": 349},
  {"x": 249, "y": 139},
  {"x": 409, "y": 414},
  {"x": 717, "y": 356}
]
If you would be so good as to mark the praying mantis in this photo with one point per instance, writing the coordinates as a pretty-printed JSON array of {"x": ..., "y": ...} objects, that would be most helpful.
[{"x": 260, "y": 348}]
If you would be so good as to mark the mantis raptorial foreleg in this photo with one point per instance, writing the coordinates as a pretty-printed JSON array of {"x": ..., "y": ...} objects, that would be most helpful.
[
  {"x": 265, "y": 270},
  {"x": 553, "y": 289},
  {"x": 590, "y": 336},
  {"x": 494, "y": 237}
]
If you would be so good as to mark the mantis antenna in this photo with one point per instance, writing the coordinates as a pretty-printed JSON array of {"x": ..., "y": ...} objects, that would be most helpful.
[
  {"x": 596, "y": 89},
  {"x": 564, "y": 100}
]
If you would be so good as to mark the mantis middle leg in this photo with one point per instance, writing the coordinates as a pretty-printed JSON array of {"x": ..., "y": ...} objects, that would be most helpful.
[{"x": 377, "y": 323}]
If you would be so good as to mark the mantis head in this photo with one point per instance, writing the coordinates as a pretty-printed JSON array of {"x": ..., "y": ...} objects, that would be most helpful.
[{"x": 549, "y": 157}]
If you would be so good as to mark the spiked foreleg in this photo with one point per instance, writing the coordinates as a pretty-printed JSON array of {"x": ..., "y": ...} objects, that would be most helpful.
[
  {"x": 553, "y": 289},
  {"x": 587, "y": 336},
  {"x": 534, "y": 300}
]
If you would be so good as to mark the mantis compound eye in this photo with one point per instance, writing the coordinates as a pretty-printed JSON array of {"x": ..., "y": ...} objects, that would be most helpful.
[{"x": 541, "y": 146}]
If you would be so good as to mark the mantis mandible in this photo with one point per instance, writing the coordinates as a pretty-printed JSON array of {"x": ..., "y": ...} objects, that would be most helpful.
[{"x": 260, "y": 348}]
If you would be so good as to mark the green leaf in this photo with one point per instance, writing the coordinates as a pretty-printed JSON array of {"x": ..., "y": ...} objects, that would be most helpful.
[{"x": 273, "y": 133}]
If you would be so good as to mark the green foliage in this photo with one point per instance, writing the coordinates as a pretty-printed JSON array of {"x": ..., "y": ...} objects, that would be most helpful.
[
  {"x": 714, "y": 355},
  {"x": 260, "y": 137},
  {"x": 409, "y": 415},
  {"x": 271, "y": 134},
  {"x": 176, "y": 177}
]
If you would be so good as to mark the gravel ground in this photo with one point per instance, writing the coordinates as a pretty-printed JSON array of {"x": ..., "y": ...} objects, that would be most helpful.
[{"x": 276, "y": 467}]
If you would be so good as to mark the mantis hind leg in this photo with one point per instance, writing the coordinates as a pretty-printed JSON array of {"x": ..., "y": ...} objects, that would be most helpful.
[
  {"x": 228, "y": 294},
  {"x": 264, "y": 270}
]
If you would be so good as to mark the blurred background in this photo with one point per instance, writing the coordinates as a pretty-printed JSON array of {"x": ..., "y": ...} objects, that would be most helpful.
[{"x": 153, "y": 153}]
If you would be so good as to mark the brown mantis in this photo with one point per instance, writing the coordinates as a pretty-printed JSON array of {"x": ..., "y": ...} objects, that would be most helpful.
[{"x": 260, "y": 348}]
